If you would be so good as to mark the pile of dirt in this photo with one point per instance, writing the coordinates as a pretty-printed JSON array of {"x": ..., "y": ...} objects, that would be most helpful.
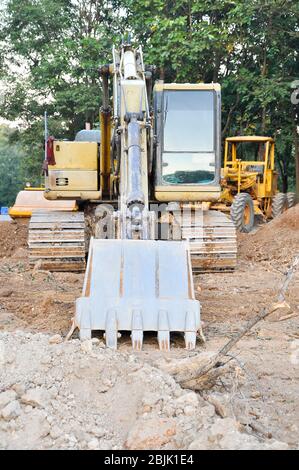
[
  {"x": 277, "y": 242},
  {"x": 77, "y": 395},
  {"x": 13, "y": 237}
]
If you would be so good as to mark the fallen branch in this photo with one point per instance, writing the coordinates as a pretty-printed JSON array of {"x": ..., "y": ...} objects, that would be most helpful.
[
  {"x": 207, "y": 374},
  {"x": 287, "y": 317}
]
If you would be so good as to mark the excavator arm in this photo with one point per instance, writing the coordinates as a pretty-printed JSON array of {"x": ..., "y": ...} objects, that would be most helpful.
[{"x": 134, "y": 282}]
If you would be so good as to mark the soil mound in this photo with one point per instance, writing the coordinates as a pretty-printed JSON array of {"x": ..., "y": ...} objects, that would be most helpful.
[
  {"x": 276, "y": 243},
  {"x": 13, "y": 236}
]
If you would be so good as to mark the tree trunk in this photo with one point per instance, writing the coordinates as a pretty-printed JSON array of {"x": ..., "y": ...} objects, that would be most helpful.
[
  {"x": 296, "y": 145},
  {"x": 284, "y": 175}
]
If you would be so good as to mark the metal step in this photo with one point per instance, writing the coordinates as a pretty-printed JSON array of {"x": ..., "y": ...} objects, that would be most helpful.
[
  {"x": 57, "y": 240},
  {"x": 213, "y": 242}
]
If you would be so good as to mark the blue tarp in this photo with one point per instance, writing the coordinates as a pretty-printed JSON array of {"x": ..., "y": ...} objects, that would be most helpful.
[{"x": 4, "y": 210}]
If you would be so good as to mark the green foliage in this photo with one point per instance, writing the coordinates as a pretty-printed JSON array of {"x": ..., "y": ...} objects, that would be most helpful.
[
  {"x": 10, "y": 167},
  {"x": 50, "y": 52}
]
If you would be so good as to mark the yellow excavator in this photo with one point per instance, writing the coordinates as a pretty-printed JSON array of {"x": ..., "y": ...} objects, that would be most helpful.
[{"x": 142, "y": 183}]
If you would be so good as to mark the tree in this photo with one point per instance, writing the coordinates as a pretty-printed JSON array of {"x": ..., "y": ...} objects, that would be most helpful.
[
  {"x": 50, "y": 52},
  {"x": 10, "y": 167}
]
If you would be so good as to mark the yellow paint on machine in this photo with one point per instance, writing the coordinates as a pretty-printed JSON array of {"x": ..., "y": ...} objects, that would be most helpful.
[
  {"x": 75, "y": 155},
  {"x": 76, "y": 171},
  {"x": 186, "y": 194},
  {"x": 29, "y": 200}
]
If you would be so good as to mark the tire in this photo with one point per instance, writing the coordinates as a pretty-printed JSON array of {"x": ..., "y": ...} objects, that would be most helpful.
[
  {"x": 279, "y": 204},
  {"x": 291, "y": 197},
  {"x": 242, "y": 212}
]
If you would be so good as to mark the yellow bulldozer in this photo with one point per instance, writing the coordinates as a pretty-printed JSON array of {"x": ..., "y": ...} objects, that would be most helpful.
[
  {"x": 143, "y": 183},
  {"x": 249, "y": 181}
]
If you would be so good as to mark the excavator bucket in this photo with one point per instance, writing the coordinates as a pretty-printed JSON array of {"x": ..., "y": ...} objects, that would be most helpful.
[
  {"x": 137, "y": 286},
  {"x": 30, "y": 200}
]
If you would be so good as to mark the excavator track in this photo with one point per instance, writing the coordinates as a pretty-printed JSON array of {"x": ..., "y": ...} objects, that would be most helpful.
[
  {"x": 213, "y": 242},
  {"x": 57, "y": 240}
]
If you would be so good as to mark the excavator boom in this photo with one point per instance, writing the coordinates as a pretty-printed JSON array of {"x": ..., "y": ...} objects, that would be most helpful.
[{"x": 134, "y": 282}]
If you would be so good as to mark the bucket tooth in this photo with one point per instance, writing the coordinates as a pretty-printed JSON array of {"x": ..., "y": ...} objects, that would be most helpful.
[
  {"x": 111, "y": 333},
  {"x": 163, "y": 331},
  {"x": 190, "y": 330},
  {"x": 137, "y": 330},
  {"x": 190, "y": 340},
  {"x": 85, "y": 333}
]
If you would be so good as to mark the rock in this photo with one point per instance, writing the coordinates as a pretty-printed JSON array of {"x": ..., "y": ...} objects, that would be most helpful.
[
  {"x": 150, "y": 399},
  {"x": 2, "y": 353},
  {"x": 6, "y": 292},
  {"x": 35, "y": 397},
  {"x": 86, "y": 346},
  {"x": 19, "y": 389},
  {"x": 95, "y": 341},
  {"x": 28, "y": 408},
  {"x": 11, "y": 411},
  {"x": 7, "y": 397},
  {"x": 56, "y": 339},
  {"x": 187, "y": 399},
  {"x": 223, "y": 434},
  {"x": 36, "y": 425},
  {"x": 207, "y": 411},
  {"x": 256, "y": 394},
  {"x": 46, "y": 360},
  {"x": 189, "y": 410},
  {"x": 55, "y": 432},
  {"x": 150, "y": 434},
  {"x": 93, "y": 444},
  {"x": 276, "y": 445}
]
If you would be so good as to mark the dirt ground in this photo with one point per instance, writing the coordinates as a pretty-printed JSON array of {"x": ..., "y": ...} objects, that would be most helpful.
[{"x": 262, "y": 394}]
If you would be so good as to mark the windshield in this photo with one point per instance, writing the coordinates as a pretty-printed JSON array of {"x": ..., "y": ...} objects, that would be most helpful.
[
  {"x": 189, "y": 148},
  {"x": 186, "y": 168},
  {"x": 188, "y": 121}
]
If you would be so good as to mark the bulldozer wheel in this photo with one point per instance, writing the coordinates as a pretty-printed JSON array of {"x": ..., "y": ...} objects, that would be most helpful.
[
  {"x": 242, "y": 212},
  {"x": 291, "y": 197},
  {"x": 279, "y": 204}
]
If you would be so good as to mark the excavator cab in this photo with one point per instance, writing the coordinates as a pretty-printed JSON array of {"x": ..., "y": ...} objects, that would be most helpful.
[{"x": 187, "y": 126}]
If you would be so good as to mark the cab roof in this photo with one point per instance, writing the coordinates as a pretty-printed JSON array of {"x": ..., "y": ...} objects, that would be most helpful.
[{"x": 249, "y": 138}]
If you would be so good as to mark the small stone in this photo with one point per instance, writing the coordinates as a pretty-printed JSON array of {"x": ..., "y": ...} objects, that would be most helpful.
[
  {"x": 6, "y": 292},
  {"x": 256, "y": 394},
  {"x": 86, "y": 346},
  {"x": 189, "y": 410},
  {"x": 55, "y": 432},
  {"x": 95, "y": 341},
  {"x": 93, "y": 444},
  {"x": 151, "y": 434},
  {"x": 187, "y": 399},
  {"x": 151, "y": 399},
  {"x": 56, "y": 339},
  {"x": 11, "y": 411},
  {"x": 19, "y": 389},
  {"x": 207, "y": 411},
  {"x": 35, "y": 397},
  {"x": 7, "y": 397},
  {"x": 146, "y": 409}
]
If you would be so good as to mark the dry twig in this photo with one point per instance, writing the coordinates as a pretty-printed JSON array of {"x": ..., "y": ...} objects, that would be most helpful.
[{"x": 207, "y": 374}]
